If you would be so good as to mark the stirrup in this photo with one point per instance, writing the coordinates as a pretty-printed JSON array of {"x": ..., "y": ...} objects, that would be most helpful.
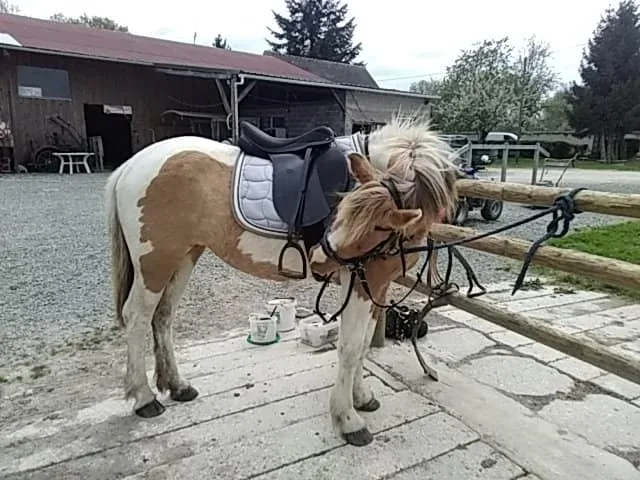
[{"x": 291, "y": 273}]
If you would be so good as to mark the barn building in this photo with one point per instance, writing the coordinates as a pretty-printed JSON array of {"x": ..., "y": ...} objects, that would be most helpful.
[{"x": 69, "y": 87}]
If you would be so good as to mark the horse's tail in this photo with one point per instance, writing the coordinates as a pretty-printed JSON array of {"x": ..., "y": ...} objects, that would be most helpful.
[{"x": 121, "y": 265}]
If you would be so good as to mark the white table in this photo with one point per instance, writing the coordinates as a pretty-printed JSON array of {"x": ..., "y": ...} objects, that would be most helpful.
[{"x": 72, "y": 159}]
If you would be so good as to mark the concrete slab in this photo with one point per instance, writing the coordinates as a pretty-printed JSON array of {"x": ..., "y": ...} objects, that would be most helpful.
[
  {"x": 211, "y": 384},
  {"x": 517, "y": 375},
  {"x": 604, "y": 421},
  {"x": 471, "y": 321},
  {"x": 135, "y": 457},
  {"x": 618, "y": 385},
  {"x": 407, "y": 419},
  {"x": 578, "y": 309},
  {"x": 553, "y": 300},
  {"x": 503, "y": 295},
  {"x": 393, "y": 450},
  {"x": 76, "y": 439},
  {"x": 477, "y": 461},
  {"x": 385, "y": 377},
  {"x": 616, "y": 332},
  {"x": 216, "y": 347},
  {"x": 541, "y": 352},
  {"x": 263, "y": 413},
  {"x": 538, "y": 444},
  {"x": 633, "y": 346},
  {"x": 597, "y": 320},
  {"x": 511, "y": 339},
  {"x": 454, "y": 345},
  {"x": 577, "y": 368}
]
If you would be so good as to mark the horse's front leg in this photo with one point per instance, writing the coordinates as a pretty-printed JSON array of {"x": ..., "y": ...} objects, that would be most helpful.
[
  {"x": 363, "y": 397},
  {"x": 353, "y": 329}
]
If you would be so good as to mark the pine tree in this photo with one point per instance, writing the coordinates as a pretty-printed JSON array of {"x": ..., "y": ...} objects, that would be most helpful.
[
  {"x": 316, "y": 29},
  {"x": 608, "y": 101}
]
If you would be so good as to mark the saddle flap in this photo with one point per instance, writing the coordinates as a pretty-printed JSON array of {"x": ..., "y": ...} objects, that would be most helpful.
[{"x": 291, "y": 191}]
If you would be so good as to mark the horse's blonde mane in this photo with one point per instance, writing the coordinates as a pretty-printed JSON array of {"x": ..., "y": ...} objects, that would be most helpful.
[{"x": 419, "y": 162}]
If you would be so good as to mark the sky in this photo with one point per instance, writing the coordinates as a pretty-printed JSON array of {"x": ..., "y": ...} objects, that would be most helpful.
[{"x": 403, "y": 40}]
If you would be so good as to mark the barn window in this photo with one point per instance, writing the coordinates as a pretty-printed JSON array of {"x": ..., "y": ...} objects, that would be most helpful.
[{"x": 45, "y": 83}]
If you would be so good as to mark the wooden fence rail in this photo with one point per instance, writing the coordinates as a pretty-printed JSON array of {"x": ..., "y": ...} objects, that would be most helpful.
[
  {"x": 608, "y": 270},
  {"x": 624, "y": 205},
  {"x": 611, "y": 271}
]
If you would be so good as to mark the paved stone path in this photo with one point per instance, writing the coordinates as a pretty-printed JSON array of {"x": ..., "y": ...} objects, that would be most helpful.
[{"x": 505, "y": 408}]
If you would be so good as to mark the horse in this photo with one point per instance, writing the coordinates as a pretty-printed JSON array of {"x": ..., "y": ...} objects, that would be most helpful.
[{"x": 352, "y": 197}]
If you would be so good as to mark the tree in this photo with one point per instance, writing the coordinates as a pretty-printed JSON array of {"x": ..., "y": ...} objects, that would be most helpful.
[
  {"x": 553, "y": 114},
  {"x": 426, "y": 87},
  {"x": 220, "y": 42},
  {"x": 103, "y": 23},
  {"x": 486, "y": 88},
  {"x": 607, "y": 103},
  {"x": 534, "y": 79},
  {"x": 477, "y": 93},
  {"x": 316, "y": 29},
  {"x": 6, "y": 7}
]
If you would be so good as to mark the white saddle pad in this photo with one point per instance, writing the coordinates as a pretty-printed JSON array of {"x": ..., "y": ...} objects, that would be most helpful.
[{"x": 252, "y": 199}]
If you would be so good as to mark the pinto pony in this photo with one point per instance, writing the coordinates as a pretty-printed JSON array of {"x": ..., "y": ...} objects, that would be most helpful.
[{"x": 175, "y": 198}]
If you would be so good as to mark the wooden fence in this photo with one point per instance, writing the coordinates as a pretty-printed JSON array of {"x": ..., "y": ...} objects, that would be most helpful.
[{"x": 614, "y": 272}]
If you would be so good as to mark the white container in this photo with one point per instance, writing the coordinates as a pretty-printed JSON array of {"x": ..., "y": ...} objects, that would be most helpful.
[
  {"x": 315, "y": 333},
  {"x": 263, "y": 329},
  {"x": 285, "y": 310}
]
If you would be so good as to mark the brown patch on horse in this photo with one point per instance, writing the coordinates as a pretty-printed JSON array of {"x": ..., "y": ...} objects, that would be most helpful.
[
  {"x": 380, "y": 273},
  {"x": 186, "y": 208}
]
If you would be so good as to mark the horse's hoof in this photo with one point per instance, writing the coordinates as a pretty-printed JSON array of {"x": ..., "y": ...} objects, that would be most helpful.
[
  {"x": 371, "y": 406},
  {"x": 360, "y": 438},
  {"x": 184, "y": 395},
  {"x": 151, "y": 409}
]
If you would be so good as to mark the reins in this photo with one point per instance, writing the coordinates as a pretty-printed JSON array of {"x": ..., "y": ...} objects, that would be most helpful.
[{"x": 563, "y": 211}]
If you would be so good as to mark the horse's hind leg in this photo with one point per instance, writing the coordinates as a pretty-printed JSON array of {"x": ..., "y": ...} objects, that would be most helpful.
[
  {"x": 137, "y": 313},
  {"x": 167, "y": 375}
]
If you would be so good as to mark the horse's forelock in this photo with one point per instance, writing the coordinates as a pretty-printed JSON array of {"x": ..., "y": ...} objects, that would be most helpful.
[{"x": 420, "y": 163}]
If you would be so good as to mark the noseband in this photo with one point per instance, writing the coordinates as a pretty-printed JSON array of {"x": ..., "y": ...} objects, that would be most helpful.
[{"x": 391, "y": 246}]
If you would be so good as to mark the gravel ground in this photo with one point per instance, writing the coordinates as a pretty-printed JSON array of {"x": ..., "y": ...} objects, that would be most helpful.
[{"x": 54, "y": 281}]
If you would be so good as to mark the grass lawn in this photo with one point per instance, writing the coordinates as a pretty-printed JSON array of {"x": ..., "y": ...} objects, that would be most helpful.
[
  {"x": 620, "y": 241},
  {"x": 630, "y": 165}
]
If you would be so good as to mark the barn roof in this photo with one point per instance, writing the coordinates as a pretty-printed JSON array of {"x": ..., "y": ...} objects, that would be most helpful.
[
  {"x": 55, "y": 38},
  {"x": 48, "y": 36},
  {"x": 342, "y": 73}
]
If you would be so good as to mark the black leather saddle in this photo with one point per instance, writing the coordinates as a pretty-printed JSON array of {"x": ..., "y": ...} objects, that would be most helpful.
[{"x": 308, "y": 171}]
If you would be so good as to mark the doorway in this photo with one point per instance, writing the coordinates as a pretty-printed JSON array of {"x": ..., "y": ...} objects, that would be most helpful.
[{"x": 113, "y": 124}]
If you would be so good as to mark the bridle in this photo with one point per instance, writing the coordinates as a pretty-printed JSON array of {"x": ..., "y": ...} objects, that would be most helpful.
[
  {"x": 393, "y": 245},
  {"x": 562, "y": 211}
]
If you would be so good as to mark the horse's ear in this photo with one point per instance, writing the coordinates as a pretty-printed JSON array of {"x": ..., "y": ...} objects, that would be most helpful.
[
  {"x": 361, "y": 168},
  {"x": 404, "y": 218}
]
